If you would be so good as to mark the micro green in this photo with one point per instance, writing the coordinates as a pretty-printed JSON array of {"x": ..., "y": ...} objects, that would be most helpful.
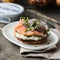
[{"x": 31, "y": 26}]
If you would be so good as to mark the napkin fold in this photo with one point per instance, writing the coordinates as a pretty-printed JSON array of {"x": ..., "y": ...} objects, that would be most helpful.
[{"x": 46, "y": 53}]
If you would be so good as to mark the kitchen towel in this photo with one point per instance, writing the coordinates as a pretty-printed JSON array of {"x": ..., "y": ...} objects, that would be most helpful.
[{"x": 46, "y": 53}]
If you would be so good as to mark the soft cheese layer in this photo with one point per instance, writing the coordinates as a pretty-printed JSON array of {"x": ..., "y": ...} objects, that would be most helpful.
[{"x": 28, "y": 38}]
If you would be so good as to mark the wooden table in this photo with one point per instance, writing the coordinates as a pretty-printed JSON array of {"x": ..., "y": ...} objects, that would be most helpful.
[{"x": 9, "y": 51}]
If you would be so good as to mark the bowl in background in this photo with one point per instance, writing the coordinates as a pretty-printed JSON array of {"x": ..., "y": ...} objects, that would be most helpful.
[
  {"x": 11, "y": 10},
  {"x": 4, "y": 21}
]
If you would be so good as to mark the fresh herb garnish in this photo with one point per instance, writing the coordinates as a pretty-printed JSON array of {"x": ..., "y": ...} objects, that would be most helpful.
[
  {"x": 46, "y": 31},
  {"x": 26, "y": 23},
  {"x": 31, "y": 26},
  {"x": 35, "y": 24},
  {"x": 22, "y": 18}
]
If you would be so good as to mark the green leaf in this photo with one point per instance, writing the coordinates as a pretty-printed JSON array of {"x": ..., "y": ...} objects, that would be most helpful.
[
  {"x": 31, "y": 26},
  {"x": 22, "y": 18}
]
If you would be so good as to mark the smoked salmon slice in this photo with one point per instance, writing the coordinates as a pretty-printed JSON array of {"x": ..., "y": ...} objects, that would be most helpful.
[{"x": 21, "y": 29}]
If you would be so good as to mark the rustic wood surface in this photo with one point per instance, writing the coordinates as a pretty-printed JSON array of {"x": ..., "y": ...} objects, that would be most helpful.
[{"x": 9, "y": 51}]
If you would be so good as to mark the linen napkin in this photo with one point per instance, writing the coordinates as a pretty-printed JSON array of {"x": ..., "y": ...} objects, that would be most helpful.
[{"x": 46, "y": 53}]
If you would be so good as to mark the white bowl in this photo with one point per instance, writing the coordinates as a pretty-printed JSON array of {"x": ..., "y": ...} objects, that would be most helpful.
[{"x": 11, "y": 10}]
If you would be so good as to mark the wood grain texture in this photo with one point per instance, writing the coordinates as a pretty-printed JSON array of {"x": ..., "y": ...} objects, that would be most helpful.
[{"x": 9, "y": 51}]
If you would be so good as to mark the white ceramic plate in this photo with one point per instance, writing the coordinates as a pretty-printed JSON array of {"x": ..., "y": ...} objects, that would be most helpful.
[{"x": 8, "y": 33}]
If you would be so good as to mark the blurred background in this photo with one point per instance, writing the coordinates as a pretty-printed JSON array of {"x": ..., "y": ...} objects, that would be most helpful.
[{"x": 50, "y": 8}]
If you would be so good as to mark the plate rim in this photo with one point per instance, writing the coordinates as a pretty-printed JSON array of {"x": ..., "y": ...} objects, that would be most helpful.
[{"x": 23, "y": 46}]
